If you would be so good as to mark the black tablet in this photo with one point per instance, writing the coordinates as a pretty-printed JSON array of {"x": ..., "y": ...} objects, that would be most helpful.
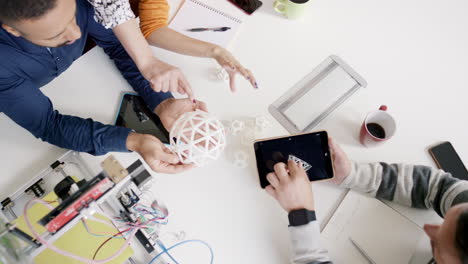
[
  {"x": 136, "y": 115},
  {"x": 311, "y": 149}
]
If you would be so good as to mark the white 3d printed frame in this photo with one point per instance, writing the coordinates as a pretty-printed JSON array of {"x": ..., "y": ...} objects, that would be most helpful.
[{"x": 197, "y": 137}]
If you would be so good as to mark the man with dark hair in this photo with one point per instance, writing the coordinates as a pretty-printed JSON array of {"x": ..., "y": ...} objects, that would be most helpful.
[
  {"x": 40, "y": 39},
  {"x": 415, "y": 186},
  {"x": 18, "y": 10}
]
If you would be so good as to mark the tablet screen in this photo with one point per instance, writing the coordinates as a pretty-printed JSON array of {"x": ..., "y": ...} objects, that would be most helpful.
[
  {"x": 310, "y": 149},
  {"x": 135, "y": 114}
]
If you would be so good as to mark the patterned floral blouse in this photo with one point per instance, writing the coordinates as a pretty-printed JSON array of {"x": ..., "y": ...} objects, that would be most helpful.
[{"x": 111, "y": 13}]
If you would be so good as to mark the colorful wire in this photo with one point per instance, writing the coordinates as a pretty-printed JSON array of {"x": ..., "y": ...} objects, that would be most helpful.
[
  {"x": 138, "y": 226},
  {"x": 107, "y": 240}
]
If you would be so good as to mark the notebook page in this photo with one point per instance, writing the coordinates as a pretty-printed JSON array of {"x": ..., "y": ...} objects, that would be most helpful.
[
  {"x": 195, "y": 14},
  {"x": 384, "y": 234}
]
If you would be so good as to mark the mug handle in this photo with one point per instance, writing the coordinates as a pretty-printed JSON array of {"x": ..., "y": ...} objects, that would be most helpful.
[
  {"x": 279, "y": 6},
  {"x": 383, "y": 108}
]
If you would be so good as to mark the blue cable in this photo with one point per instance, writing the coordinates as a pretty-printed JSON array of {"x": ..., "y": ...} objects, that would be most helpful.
[
  {"x": 181, "y": 243},
  {"x": 164, "y": 249}
]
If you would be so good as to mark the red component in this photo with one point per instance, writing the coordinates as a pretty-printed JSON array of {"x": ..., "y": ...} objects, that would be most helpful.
[{"x": 74, "y": 209}]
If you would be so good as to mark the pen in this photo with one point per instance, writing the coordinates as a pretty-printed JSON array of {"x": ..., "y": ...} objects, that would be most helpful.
[
  {"x": 359, "y": 248},
  {"x": 218, "y": 29}
]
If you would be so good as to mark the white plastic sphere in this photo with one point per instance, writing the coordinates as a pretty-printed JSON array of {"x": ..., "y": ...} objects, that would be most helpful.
[{"x": 197, "y": 137}]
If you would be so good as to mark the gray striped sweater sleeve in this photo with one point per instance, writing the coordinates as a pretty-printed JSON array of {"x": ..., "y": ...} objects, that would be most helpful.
[
  {"x": 306, "y": 247},
  {"x": 410, "y": 185}
]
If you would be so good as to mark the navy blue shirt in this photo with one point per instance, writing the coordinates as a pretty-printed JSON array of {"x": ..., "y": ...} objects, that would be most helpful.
[{"x": 25, "y": 67}]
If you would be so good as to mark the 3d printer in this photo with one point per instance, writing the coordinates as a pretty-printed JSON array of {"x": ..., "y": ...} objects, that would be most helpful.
[{"x": 66, "y": 214}]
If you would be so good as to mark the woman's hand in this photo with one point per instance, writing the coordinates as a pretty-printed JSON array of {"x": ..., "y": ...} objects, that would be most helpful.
[
  {"x": 232, "y": 67},
  {"x": 164, "y": 77}
]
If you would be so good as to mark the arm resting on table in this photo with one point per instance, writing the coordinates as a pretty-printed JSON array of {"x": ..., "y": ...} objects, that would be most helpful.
[
  {"x": 410, "y": 185},
  {"x": 27, "y": 106}
]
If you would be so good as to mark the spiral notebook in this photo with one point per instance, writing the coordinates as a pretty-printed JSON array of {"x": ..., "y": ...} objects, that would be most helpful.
[{"x": 195, "y": 14}]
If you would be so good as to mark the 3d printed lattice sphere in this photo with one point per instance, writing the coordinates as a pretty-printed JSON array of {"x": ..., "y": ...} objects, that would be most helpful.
[{"x": 197, "y": 137}]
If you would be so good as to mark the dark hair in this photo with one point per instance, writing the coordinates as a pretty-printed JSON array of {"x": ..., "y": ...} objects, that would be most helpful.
[
  {"x": 14, "y": 10},
  {"x": 461, "y": 236}
]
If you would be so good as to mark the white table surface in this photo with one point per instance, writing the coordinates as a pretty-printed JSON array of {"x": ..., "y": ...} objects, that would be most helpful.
[{"x": 412, "y": 54}]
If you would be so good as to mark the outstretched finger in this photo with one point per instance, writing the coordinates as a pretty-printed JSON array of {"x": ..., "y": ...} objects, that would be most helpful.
[
  {"x": 243, "y": 71},
  {"x": 232, "y": 81},
  {"x": 251, "y": 79},
  {"x": 186, "y": 87}
]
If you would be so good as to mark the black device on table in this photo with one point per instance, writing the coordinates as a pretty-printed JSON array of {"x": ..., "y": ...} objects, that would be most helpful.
[
  {"x": 448, "y": 160},
  {"x": 248, "y": 6},
  {"x": 136, "y": 115},
  {"x": 311, "y": 149}
]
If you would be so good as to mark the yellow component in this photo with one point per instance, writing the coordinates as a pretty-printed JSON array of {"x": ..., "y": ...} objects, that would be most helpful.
[
  {"x": 77, "y": 240},
  {"x": 114, "y": 169},
  {"x": 75, "y": 178}
]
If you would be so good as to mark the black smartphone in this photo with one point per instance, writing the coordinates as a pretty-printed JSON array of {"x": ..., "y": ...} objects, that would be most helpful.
[
  {"x": 248, "y": 6},
  {"x": 311, "y": 149},
  {"x": 136, "y": 115},
  {"x": 448, "y": 160}
]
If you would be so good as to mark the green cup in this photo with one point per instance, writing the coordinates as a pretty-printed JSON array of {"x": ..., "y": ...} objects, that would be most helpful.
[{"x": 292, "y": 9}]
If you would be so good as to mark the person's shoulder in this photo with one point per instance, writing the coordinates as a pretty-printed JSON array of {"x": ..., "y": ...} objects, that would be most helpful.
[
  {"x": 6, "y": 38},
  {"x": 83, "y": 5},
  {"x": 8, "y": 47},
  {"x": 84, "y": 12}
]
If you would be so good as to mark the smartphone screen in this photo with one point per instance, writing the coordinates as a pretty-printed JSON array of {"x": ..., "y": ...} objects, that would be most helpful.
[
  {"x": 448, "y": 160},
  {"x": 249, "y": 6},
  {"x": 135, "y": 114},
  {"x": 310, "y": 149}
]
